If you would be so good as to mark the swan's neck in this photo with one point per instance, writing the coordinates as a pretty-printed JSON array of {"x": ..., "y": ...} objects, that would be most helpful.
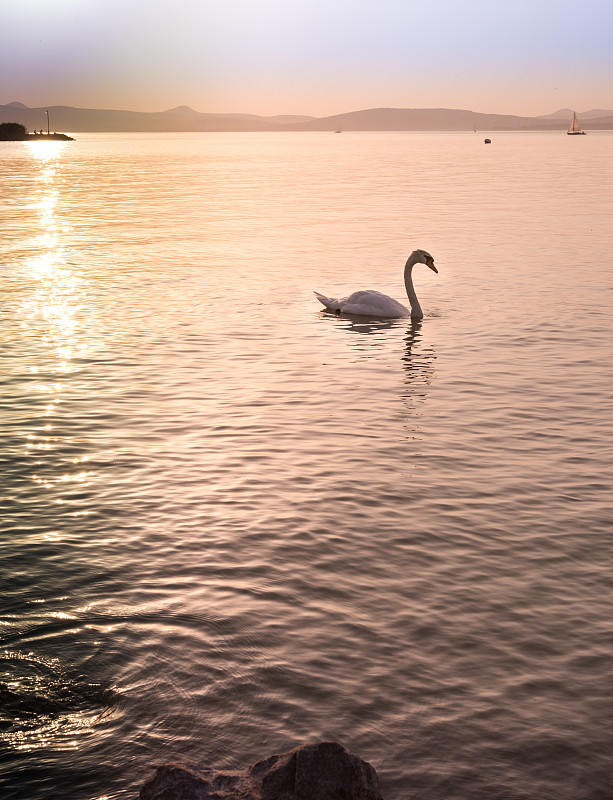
[{"x": 416, "y": 312}]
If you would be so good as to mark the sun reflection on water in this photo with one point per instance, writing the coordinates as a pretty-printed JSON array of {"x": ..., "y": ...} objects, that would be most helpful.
[
  {"x": 59, "y": 287},
  {"x": 45, "y": 151},
  {"x": 44, "y": 704},
  {"x": 51, "y": 323}
]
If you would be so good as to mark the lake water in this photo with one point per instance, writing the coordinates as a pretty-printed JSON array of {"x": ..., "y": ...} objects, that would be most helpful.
[{"x": 234, "y": 523}]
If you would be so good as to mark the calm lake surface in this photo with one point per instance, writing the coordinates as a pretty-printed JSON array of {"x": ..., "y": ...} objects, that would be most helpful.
[{"x": 233, "y": 523}]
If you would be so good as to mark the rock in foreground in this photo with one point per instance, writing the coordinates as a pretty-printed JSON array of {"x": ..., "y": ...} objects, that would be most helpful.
[{"x": 323, "y": 771}]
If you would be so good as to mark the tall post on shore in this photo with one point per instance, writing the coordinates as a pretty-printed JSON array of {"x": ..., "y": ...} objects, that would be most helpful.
[{"x": 47, "y": 113}]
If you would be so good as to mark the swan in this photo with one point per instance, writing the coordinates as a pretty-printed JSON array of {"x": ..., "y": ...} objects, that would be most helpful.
[{"x": 371, "y": 303}]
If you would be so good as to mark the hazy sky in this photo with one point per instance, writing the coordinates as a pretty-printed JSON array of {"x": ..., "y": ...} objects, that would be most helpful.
[{"x": 308, "y": 56}]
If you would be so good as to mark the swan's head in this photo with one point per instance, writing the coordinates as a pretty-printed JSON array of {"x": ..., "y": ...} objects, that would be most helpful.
[{"x": 421, "y": 257}]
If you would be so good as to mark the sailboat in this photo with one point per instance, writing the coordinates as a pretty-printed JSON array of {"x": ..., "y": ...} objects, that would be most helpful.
[{"x": 574, "y": 128}]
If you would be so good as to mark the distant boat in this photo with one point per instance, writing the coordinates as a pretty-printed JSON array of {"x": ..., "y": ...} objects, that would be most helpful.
[{"x": 574, "y": 128}]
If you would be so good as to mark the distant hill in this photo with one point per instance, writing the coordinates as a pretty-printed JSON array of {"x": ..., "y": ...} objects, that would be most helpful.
[
  {"x": 185, "y": 119},
  {"x": 425, "y": 119},
  {"x": 598, "y": 124},
  {"x": 566, "y": 113},
  {"x": 445, "y": 119},
  {"x": 180, "y": 119},
  {"x": 181, "y": 110},
  {"x": 562, "y": 113},
  {"x": 279, "y": 119}
]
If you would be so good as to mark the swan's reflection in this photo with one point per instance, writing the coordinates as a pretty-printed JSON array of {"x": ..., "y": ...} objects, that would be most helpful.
[
  {"x": 374, "y": 335},
  {"x": 418, "y": 361},
  {"x": 369, "y": 331},
  {"x": 418, "y": 358}
]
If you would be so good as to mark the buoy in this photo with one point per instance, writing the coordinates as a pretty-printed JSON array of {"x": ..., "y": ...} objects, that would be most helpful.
[{"x": 487, "y": 141}]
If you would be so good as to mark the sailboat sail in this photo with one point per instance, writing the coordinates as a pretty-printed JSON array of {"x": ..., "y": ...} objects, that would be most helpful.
[{"x": 574, "y": 127}]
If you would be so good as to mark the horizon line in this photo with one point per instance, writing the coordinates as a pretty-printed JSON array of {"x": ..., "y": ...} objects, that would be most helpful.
[{"x": 19, "y": 104}]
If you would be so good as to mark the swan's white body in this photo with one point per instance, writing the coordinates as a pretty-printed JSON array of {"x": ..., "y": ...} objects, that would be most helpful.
[{"x": 371, "y": 303}]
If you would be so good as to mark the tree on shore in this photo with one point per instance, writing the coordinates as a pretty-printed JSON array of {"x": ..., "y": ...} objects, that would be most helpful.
[{"x": 12, "y": 131}]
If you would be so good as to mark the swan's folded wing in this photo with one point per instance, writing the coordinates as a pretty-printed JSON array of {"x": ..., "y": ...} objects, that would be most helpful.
[{"x": 371, "y": 303}]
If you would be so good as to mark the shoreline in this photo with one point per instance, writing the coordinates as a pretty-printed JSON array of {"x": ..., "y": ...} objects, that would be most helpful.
[
  {"x": 38, "y": 137},
  {"x": 62, "y": 137}
]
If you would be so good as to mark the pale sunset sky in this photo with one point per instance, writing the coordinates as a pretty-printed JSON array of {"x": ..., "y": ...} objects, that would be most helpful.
[{"x": 315, "y": 57}]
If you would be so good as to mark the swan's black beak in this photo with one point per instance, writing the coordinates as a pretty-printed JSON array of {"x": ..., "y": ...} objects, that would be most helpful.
[{"x": 430, "y": 263}]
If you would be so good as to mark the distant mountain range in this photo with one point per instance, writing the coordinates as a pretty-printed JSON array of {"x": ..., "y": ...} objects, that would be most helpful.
[
  {"x": 566, "y": 113},
  {"x": 185, "y": 119}
]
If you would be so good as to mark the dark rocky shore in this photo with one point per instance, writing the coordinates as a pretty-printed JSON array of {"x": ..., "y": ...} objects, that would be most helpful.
[{"x": 322, "y": 771}]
